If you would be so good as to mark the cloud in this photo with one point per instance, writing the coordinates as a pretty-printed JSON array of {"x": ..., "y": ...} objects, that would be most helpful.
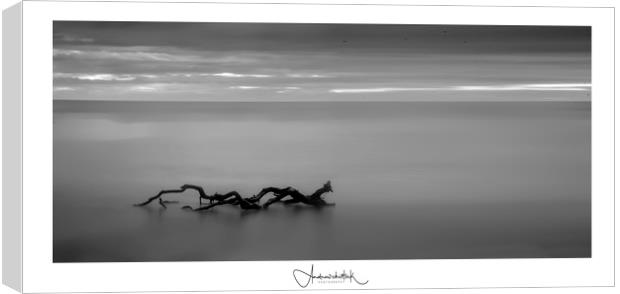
[
  {"x": 219, "y": 75},
  {"x": 306, "y": 76},
  {"x": 67, "y": 52},
  {"x": 149, "y": 76},
  {"x": 380, "y": 90},
  {"x": 157, "y": 87},
  {"x": 181, "y": 76},
  {"x": 64, "y": 89},
  {"x": 244, "y": 87},
  {"x": 236, "y": 75},
  {"x": 185, "y": 75},
  {"x": 148, "y": 53},
  {"x": 72, "y": 39},
  {"x": 144, "y": 88},
  {"x": 163, "y": 88},
  {"x": 124, "y": 55},
  {"x": 140, "y": 53},
  {"x": 287, "y": 89},
  {"x": 95, "y": 77},
  {"x": 528, "y": 87},
  {"x": 512, "y": 87},
  {"x": 246, "y": 75},
  {"x": 277, "y": 89}
]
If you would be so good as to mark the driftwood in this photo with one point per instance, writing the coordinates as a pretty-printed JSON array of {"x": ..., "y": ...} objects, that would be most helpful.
[{"x": 288, "y": 195}]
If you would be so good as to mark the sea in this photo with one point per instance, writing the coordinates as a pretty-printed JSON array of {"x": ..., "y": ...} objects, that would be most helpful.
[{"x": 411, "y": 180}]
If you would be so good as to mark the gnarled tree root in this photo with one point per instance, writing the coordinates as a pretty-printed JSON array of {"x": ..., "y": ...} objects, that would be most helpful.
[{"x": 234, "y": 198}]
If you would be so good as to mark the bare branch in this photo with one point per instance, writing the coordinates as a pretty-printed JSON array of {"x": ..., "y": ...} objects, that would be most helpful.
[{"x": 288, "y": 195}]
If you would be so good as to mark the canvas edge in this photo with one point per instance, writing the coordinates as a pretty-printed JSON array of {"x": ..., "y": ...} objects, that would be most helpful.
[{"x": 11, "y": 147}]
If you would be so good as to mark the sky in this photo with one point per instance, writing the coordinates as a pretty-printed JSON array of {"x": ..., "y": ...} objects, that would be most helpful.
[{"x": 164, "y": 61}]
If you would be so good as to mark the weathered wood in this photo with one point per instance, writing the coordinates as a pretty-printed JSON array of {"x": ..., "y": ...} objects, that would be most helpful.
[
  {"x": 314, "y": 199},
  {"x": 250, "y": 203},
  {"x": 162, "y": 192},
  {"x": 201, "y": 195},
  {"x": 235, "y": 200}
]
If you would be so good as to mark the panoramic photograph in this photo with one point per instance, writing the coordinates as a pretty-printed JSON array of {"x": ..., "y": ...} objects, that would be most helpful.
[{"x": 182, "y": 141}]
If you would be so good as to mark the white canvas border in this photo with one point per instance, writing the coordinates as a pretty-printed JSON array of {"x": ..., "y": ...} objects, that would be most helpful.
[{"x": 41, "y": 275}]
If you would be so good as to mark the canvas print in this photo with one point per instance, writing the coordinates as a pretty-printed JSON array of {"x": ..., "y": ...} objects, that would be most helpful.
[{"x": 180, "y": 141}]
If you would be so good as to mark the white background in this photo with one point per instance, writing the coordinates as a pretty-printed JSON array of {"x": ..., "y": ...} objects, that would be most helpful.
[{"x": 467, "y": 276}]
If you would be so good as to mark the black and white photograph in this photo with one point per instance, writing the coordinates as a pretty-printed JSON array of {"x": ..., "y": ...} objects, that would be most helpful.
[{"x": 241, "y": 141}]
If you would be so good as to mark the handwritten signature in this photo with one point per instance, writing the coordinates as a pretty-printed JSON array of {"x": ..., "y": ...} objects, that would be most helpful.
[{"x": 304, "y": 279}]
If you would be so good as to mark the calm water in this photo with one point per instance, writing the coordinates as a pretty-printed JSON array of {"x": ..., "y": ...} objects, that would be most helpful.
[{"x": 411, "y": 180}]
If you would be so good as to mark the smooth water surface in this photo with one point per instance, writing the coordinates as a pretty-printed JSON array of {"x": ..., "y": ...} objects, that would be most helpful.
[{"x": 411, "y": 179}]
